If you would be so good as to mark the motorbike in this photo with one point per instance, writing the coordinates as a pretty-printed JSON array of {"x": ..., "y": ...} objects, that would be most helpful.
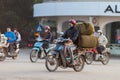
[
  {"x": 56, "y": 58},
  {"x": 93, "y": 55},
  {"x": 40, "y": 49},
  {"x": 8, "y": 50}
]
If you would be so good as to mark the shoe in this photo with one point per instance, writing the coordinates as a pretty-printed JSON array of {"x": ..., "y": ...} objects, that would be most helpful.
[{"x": 17, "y": 50}]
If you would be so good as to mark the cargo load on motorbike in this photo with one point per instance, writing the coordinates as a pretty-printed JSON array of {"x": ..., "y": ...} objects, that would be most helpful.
[{"x": 86, "y": 38}]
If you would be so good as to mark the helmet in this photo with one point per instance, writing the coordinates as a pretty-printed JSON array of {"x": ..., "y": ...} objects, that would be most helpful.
[
  {"x": 47, "y": 27},
  {"x": 37, "y": 34},
  {"x": 73, "y": 21},
  {"x": 99, "y": 31}
]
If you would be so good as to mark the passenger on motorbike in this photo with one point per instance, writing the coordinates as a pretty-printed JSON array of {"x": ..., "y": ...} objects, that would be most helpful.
[
  {"x": 72, "y": 34},
  {"x": 11, "y": 37},
  {"x": 18, "y": 39},
  {"x": 102, "y": 42}
]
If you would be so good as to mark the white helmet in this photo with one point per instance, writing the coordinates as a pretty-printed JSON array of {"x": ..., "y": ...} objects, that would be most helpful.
[{"x": 99, "y": 31}]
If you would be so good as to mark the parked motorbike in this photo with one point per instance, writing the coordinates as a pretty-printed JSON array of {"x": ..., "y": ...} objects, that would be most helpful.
[
  {"x": 92, "y": 55},
  {"x": 40, "y": 49},
  {"x": 56, "y": 58}
]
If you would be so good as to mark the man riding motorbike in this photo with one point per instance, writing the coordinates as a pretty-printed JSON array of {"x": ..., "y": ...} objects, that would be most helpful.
[
  {"x": 102, "y": 42},
  {"x": 3, "y": 41},
  {"x": 72, "y": 34},
  {"x": 11, "y": 37},
  {"x": 46, "y": 38}
]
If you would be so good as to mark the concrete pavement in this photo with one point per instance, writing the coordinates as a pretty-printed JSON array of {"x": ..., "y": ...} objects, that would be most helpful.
[{"x": 23, "y": 69}]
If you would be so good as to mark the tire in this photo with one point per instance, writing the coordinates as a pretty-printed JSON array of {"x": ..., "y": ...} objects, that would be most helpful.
[
  {"x": 2, "y": 58},
  {"x": 34, "y": 56},
  {"x": 88, "y": 58},
  {"x": 51, "y": 61},
  {"x": 105, "y": 59},
  {"x": 80, "y": 64}
]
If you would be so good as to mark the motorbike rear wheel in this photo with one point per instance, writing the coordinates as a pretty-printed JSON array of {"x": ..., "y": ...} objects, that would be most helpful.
[
  {"x": 80, "y": 64},
  {"x": 88, "y": 58},
  {"x": 105, "y": 59},
  {"x": 51, "y": 63},
  {"x": 34, "y": 56}
]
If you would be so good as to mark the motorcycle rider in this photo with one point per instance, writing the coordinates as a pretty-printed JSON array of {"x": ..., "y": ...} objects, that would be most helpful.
[
  {"x": 11, "y": 37},
  {"x": 72, "y": 34},
  {"x": 18, "y": 39},
  {"x": 47, "y": 36},
  {"x": 102, "y": 42},
  {"x": 3, "y": 41}
]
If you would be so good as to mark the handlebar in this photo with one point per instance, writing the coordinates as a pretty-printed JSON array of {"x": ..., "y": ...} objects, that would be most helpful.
[{"x": 62, "y": 40}]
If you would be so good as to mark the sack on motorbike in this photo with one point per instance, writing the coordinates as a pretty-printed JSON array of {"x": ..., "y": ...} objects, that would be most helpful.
[
  {"x": 88, "y": 41},
  {"x": 85, "y": 28}
]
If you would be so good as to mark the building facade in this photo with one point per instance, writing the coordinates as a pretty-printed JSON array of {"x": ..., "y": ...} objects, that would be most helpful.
[{"x": 104, "y": 14}]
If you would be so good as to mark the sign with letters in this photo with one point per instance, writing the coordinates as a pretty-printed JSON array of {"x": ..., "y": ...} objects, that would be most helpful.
[
  {"x": 111, "y": 9},
  {"x": 77, "y": 9}
]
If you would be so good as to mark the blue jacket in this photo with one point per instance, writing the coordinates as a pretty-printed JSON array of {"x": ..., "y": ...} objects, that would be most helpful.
[{"x": 11, "y": 36}]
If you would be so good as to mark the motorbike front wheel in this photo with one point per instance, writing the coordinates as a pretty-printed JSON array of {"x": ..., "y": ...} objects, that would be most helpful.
[
  {"x": 51, "y": 63},
  {"x": 105, "y": 58},
  {"x": 2, "y": 58},
  {"x": 79, "y": 64},
  {"x": 34, "y": 56}
]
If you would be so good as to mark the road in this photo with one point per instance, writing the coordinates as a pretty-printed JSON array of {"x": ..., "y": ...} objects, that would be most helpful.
[{"x": 23, "y": 69}]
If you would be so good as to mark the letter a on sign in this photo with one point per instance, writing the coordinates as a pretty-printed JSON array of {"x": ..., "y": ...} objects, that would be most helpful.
[{"x": 109, "y": 8}]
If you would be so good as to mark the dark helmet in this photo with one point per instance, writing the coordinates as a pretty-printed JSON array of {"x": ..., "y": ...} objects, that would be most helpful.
[{"x": 73, "y": 21}]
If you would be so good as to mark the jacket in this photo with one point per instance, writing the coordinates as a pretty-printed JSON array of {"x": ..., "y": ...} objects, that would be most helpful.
[
  {"x": 18, "y": 37},
  {"x": 11, "y": 36},
  {"x": 102, "y": 40},
  {"x": 71, "y": 33}
]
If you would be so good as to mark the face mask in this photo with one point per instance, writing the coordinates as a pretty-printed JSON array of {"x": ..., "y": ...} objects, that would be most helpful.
[{"x": 46, "y": 30}]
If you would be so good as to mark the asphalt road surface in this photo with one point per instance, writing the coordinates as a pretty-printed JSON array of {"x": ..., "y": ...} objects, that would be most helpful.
[{"x": 23, "y": 69}]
